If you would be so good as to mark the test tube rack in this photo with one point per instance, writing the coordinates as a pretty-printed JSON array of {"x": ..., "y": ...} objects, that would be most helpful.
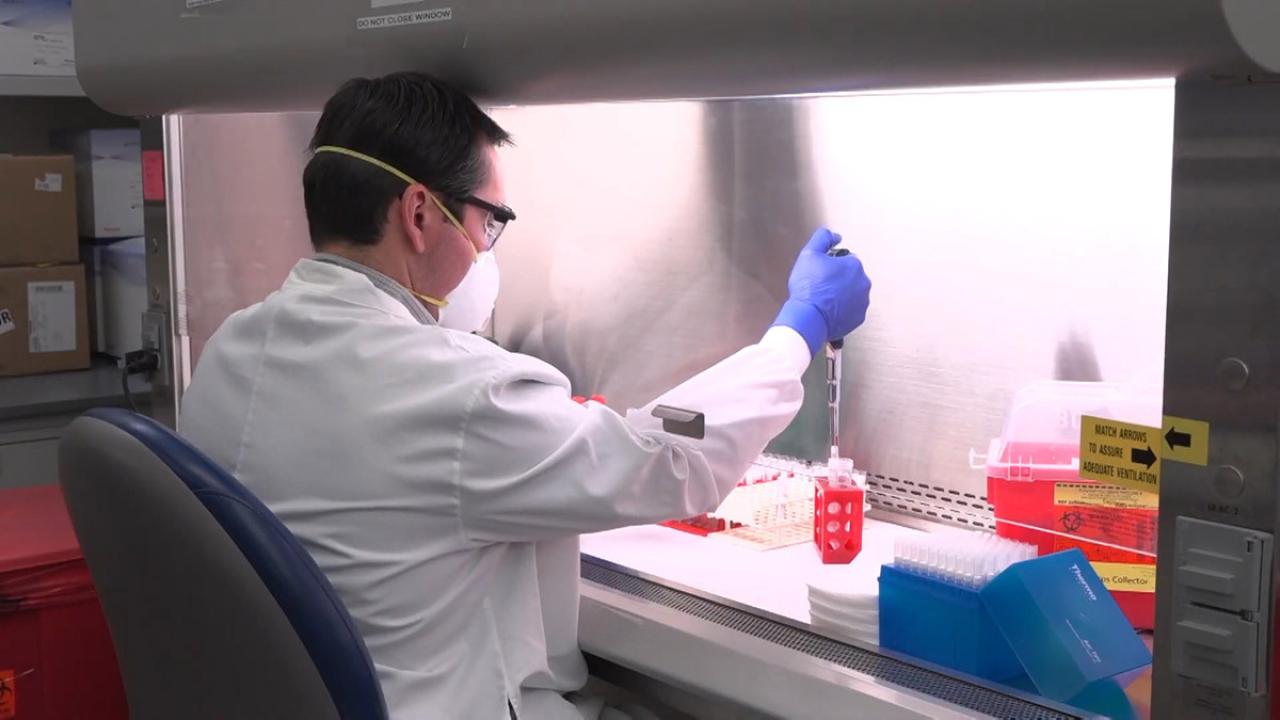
[{"x": 771, "y": 507}]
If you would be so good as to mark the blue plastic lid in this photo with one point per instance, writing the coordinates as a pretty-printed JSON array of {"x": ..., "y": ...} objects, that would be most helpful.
[{"x": 1063, "y": 624}]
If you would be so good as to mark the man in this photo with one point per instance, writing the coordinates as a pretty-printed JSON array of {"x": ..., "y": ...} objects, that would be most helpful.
[{"x": 438, "y": 480}]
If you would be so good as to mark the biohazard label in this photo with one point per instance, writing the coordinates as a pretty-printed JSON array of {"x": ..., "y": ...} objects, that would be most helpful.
[
  {"x": 8, "y": 696},
  {"x": 1110, "y": 496},
  {"x": 1124, "y": 528},
  {"x": 1127, "y": 577}
]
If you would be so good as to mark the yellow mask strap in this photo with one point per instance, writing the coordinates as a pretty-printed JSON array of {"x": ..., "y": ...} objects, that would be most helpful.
[
  {"x": 429, "y": 300},
  {"x": 405, "y": 177}
]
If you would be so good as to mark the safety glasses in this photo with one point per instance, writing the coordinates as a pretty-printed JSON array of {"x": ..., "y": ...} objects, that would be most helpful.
[{"x": 499, "y": 216}]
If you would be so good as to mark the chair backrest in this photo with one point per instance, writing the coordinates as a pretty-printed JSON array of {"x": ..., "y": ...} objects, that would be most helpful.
[{"x": 215, "y": 609}]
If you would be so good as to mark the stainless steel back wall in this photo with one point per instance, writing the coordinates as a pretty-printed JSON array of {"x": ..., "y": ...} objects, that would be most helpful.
[{"x": 1012, "y": 237}]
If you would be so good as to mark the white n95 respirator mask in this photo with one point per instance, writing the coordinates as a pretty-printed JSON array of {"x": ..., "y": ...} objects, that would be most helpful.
[{"x": 471, "y": 303}]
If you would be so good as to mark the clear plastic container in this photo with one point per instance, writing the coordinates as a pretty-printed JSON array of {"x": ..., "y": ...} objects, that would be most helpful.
[{"x": 1034, "y": 484}]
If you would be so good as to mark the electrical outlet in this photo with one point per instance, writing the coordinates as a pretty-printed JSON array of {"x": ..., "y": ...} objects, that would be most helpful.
[{"x": 155, "y": 336}]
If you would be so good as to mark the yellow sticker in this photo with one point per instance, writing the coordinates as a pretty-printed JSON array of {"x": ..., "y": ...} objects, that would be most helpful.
[
  {"x": 1185, "y": 441},
  {"x": 1120, "y": 453},
  {"x": 1104, "y": 496},
  {"x": 1127, "y": 577}
]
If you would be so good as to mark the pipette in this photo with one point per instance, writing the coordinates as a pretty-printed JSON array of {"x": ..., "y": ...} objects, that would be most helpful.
[
  {"x": 833, "y": 394},
  {"x": 834, "y": 353}
]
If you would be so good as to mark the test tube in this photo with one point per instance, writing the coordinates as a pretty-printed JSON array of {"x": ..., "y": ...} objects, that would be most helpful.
[{"x": 840, "y": 471}]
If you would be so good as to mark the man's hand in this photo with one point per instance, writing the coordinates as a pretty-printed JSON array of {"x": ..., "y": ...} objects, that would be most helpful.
[{"x": 829, "y": 293}]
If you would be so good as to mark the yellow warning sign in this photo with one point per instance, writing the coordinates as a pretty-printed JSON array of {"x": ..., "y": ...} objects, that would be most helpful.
[
  {"x": 1127, "y": 577},
  {"x": 1120, "y": 453},
  {"x": 1185, "y": 441}
]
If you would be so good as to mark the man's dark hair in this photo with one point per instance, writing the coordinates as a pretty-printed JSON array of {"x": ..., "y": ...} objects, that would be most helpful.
[{"x": 420, "y": 125}]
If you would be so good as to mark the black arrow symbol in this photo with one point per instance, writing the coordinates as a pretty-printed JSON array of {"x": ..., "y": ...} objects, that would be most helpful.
[
  {"x": 1143, "y": 457},
  {"x": 1177, "y": 439}
]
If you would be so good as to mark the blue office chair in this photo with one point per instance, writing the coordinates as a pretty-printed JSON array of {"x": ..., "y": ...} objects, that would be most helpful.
[{"x": 215, "y": 609}]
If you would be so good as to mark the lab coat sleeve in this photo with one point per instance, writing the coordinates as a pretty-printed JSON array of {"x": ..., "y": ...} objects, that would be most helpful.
[{"x": 533, "y": 464}]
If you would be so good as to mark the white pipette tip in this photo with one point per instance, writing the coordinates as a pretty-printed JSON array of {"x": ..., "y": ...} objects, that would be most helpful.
[{"x": 968, "y": 559}]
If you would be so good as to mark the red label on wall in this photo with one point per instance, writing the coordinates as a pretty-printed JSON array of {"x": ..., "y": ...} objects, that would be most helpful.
[
  {"x": 8, "y": 696},
  {"x": 153, "y": 175}
]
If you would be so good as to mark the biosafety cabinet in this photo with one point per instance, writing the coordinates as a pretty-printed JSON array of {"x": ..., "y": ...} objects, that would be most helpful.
[{"x": 1046, "y": 194}]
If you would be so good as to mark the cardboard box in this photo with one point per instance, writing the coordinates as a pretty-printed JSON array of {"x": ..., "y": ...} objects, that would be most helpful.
[
  {"x": 36, "y": 39},
  {"x": 118, "y": 295},
  {"x": 89, "y": 259},
  {"x": 108, "y": 180},
  {"x": 44, "y": 320},
  {"x": 37, "y": 210}
]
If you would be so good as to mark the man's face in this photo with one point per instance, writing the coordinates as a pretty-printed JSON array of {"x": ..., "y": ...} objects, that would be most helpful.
[
  {"x": 476, "y": 219},
  {"x": 447, "y": 258}
]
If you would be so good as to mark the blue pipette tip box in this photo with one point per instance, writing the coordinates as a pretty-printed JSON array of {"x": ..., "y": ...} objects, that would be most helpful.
[
  {"x": 943, "y": 623},
  {"x": 1063, "y": 624},
  {"x": 1049, "y": 618}
]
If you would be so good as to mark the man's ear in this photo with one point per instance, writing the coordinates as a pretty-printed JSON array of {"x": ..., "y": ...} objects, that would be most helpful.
[{"x": 414, "y": 216}]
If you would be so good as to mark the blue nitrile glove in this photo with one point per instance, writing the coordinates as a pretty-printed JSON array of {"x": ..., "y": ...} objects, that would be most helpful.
[{"x": 829, "y": 295}]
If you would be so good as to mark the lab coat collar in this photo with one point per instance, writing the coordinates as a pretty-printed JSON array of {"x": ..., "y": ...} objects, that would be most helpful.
[{"x": 384, "y": 283}]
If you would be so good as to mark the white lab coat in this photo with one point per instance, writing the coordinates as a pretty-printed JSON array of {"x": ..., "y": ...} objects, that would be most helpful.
[{"x": 441, "y": 482}]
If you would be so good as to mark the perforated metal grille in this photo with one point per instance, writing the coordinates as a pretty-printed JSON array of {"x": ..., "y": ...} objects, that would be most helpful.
[
  {"x": 927, "y": 682},
  {"x": 932, "y": 502}
]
